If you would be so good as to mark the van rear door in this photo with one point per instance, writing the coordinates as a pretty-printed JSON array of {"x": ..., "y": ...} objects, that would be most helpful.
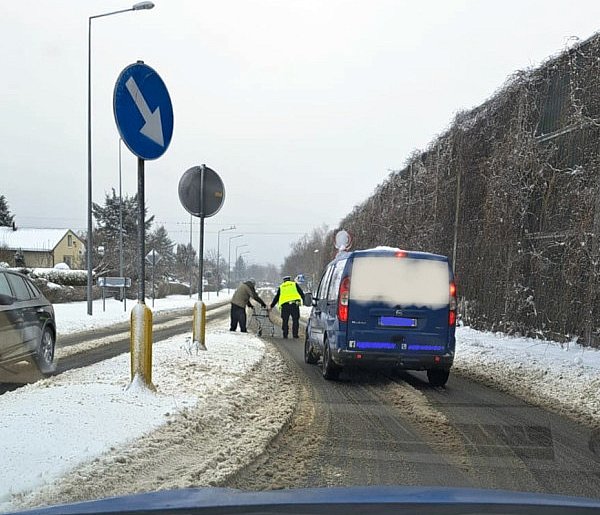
[{"x": 399, "y": 304}]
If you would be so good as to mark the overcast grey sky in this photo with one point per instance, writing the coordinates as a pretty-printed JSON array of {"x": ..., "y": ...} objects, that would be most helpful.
[{"x": 301, "y": 106}]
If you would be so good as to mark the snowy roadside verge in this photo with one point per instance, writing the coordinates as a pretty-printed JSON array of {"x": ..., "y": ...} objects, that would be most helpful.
[
  {"x": 71, "y": 317},
  {"x": 214, "y": 412},
  {"x": 564, "y": 378},
  {"x": 63, "y": 352}
]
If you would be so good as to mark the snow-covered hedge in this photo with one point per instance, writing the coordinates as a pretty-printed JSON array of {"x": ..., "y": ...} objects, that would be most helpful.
[{"x": 62, "y": 277}]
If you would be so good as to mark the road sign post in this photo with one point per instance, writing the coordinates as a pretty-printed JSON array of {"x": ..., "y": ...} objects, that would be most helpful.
[
  {"x": 201, "y": 239},
  {"x": 201, "y": 192},
  {"x": 113, "y": 282},
  {"x": 144, "y": 116}
]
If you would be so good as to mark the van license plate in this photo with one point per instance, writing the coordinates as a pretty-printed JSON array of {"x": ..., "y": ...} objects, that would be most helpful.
[{"x": 397, "y": 322}]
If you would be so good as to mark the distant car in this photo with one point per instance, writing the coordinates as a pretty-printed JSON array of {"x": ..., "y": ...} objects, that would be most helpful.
[
  {"x": 384, "y": 307},
  {"x": 27, "y": 325}
]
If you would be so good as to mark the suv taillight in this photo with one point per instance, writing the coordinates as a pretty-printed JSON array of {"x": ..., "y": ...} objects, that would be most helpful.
[
  {"x": 343, "y": 298},
  {"x": 453, "y": 305}
]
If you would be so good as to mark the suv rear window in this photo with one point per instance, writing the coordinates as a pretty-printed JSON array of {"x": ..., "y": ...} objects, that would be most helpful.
[{"x": 400, "y": 281}]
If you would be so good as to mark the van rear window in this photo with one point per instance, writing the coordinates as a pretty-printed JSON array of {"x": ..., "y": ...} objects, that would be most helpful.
[{"x": 400, "y": 281}]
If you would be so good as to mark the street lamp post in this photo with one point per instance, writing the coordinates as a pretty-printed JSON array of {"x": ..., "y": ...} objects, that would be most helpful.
[
  {"x": 236, "y": 257},
  {"x": 229, "y": 260},
  {"x": 137, "y": 7},
  {"x": 230, "y": 228},
  {"x": 190, "y": 254}
]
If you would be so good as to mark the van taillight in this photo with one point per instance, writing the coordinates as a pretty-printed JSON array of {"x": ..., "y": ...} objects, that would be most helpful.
[
  {"x": 343, "y": 300},
  {"x": 453, "y": 305},
  {"x": 452, "y": 318}
]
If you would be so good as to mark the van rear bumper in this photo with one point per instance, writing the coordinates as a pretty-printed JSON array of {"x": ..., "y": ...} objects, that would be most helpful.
[{"x": 360, "y": 358}]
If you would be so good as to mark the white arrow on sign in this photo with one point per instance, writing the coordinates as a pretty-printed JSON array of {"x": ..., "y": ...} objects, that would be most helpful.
[{"x": 153, "y": 127}]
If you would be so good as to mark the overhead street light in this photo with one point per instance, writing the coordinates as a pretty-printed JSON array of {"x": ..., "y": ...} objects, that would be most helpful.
[
  {"x": 142, "y": 5},
  {"x": 230, "y": 228},
  {"x": 137, "y": 7},
  {"x": 229, "y": 260}
]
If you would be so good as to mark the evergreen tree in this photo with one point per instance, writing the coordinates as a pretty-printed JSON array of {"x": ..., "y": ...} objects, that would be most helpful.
[
  {"x": 107, "y": 234},
  {"x": 186, "y": 259},
  {"x": 6, "y": 219},
  {"x": 160, "y": 242}
]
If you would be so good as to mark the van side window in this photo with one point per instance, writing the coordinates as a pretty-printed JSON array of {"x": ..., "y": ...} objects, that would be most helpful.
[
  {"x": 322, "y": 292},
  {"x": 336, "y": 278}
]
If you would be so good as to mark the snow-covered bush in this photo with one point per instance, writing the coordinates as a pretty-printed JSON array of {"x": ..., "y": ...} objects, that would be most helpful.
[{"x": 60, "y": 276}]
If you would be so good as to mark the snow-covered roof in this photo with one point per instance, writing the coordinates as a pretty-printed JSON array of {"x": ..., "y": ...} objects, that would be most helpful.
[{"x": 31, "y": 239}]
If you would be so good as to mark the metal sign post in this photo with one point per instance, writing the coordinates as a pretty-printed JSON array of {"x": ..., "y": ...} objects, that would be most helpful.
[
  {"x": 201, "y": 240},
  {"x": 141, "y": 234},
  {"x": 201, "y": 193}
]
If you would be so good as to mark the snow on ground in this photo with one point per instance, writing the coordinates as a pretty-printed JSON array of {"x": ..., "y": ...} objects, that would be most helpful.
[
  {"x": 51, "y": 427},
  {"x": 71, "y": 317},
  {"x": 562, "y": 377}
]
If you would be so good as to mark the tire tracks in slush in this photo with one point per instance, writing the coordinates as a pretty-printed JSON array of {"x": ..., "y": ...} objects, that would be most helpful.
[{"x": 369, "y": 430}]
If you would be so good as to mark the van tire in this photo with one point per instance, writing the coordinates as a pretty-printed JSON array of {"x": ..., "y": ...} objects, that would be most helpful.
[
  {"x": 438, "y": 376},
  {"x": 309, "y": 355},
  {"x": 330, "y": 370}
]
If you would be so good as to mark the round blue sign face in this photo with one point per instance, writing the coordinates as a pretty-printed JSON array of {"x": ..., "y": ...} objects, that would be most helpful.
[{"x": 143, "y": 111}]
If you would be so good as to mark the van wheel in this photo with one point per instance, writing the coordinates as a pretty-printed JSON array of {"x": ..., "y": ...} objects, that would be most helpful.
[
  {"x": 330, "y": 370},
  {"x": 44, "y": 354},
  {"x": 438, "y": 376},
  {"x": 309, "y": 355}
]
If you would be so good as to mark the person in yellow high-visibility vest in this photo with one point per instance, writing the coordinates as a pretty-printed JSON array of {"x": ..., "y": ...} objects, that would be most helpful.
[{"x": 289, "y": 297}]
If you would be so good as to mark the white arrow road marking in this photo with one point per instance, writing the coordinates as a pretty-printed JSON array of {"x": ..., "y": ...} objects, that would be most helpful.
[{"x": 153, "y": 127}]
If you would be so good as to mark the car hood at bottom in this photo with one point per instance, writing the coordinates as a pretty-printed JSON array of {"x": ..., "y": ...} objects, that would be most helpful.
[{"x": 384, "y": 499}]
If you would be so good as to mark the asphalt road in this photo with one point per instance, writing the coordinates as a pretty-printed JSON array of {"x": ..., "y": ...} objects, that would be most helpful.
[{"x": 394, "y": 429}]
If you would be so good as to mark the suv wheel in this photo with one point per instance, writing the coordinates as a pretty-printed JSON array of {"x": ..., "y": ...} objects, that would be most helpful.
[
  {"x": 330, "y": 370},
  {"x": 44, "y": 354},
  {"x": 438, "y": 376}
]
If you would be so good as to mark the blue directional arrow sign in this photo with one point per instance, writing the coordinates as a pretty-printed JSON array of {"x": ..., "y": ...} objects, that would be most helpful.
[{"x": 143, "y": 111}]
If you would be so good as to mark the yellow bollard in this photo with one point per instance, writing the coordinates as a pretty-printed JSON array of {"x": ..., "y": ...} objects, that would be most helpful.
[
  {"x": 141, "y": 344},
  {"x": 199, "y": 325}
]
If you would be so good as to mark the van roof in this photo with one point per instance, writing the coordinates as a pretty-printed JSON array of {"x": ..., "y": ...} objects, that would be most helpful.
[{"x": 391, "y": 251}]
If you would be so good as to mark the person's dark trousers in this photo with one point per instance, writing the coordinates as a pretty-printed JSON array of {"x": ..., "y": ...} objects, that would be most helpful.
[
  {"x": 290, "y": 310},
  {"x": 238, "y": 315}
]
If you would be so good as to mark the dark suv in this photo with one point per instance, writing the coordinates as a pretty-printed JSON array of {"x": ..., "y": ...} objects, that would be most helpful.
[{"x": 27, "y": 326}]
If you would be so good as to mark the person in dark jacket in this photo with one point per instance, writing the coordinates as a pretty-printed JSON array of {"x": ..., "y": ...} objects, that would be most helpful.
[
  {"x": 239, "y": 301},
  {"x": 289, "y": 297}
]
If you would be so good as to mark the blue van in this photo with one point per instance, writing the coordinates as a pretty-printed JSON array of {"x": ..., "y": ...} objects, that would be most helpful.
[{"x": 384, "y": 307}]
